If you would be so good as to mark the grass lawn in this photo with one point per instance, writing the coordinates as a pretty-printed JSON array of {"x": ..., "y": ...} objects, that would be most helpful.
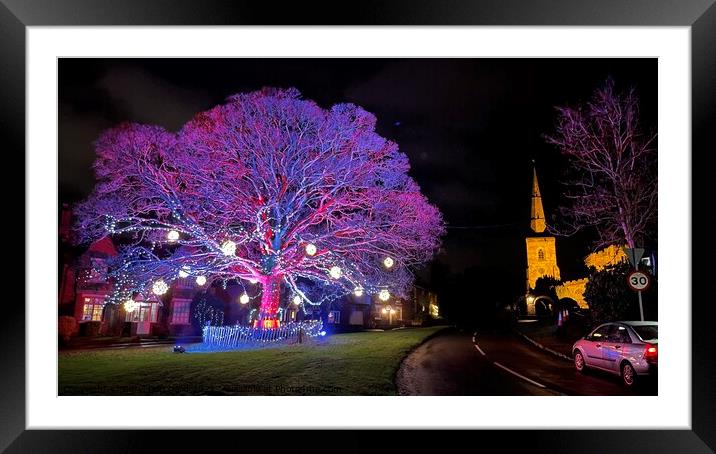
[{"x": 342, "y": 364}]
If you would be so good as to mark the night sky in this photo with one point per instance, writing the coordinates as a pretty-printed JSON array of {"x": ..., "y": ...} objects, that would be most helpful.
[{"x": 470, "y": 127}]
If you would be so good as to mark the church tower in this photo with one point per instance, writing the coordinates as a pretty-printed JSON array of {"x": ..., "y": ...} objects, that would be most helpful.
[{"x": 541, "y": 248}]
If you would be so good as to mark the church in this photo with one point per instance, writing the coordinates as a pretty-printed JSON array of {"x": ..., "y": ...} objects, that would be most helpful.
[{"x": 542, "y": 262}]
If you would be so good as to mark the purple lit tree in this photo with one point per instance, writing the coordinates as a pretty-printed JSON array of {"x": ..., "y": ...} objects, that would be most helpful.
[
  {"x": 613, "y": 163},
  {"x": 267, "y": 188}
]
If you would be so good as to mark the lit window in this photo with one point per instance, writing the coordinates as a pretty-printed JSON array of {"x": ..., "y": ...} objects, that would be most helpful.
[
  {"x": 334, "y": 317},
  {"x": 144, "y": 312},
  {"x": 180, "y": 312},
  {"x": 92, "y": 309}
]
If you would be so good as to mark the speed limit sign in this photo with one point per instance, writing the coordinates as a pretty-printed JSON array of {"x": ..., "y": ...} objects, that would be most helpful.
[{"x": 638, "y": 281}]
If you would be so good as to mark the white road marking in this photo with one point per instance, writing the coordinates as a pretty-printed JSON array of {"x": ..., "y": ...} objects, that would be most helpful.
[
  {"x": 480, "y": 350},
  {"x": 518, "y": 375}
]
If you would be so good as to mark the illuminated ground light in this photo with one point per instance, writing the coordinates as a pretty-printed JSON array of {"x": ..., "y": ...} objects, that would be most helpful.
[
  {"x": 172, "y": 236},
  {"x": 244, "y": 298},
  {"x": 384, "y": 295},
  {"x": 160, "y": 287},
  {"x": 388, "y": 262},
  {"x": 311, "y": 249},
  {"x": 228, "y": 247},
  {"x": 335, "y": 272},
  {"x": 200, "y": 280},
  {"x": 358, "y": 291}
]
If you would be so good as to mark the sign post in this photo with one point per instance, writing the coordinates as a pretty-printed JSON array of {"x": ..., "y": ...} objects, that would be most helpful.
[{"x": 637, "y": 280}]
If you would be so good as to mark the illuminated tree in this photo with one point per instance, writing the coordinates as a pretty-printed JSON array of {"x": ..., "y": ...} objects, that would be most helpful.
[
  {"x": 267, "y": 188},
  {"x": 613, "y": 161}
]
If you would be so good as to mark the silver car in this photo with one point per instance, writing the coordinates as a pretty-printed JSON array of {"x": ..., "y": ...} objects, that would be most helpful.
[{"x": 627, "y": 349}]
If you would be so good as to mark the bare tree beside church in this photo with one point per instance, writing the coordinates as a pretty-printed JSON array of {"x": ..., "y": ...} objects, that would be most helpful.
[{"x": 613, "y": 186}]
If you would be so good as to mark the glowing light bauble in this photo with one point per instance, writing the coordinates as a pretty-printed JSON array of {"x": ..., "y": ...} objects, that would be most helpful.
[
  {"x": 296, "y": 300},
  {"x": 388, "y": 262},
  {"x": 200, "y": 280},
  {"x": 253, "y": 281},
  {"x": 311, "y": 249},
  {"x": 228, "y": 247},
  {"x": 130, "y": 305},
  {"x": 160, "y": 287},
  {"x": 244, "y": 299},
  {"x": 358, "y": 291},
  {"x": 184, "y": 272},
  {"x": 384, "y": 295},
  {"x": 335, "y": 272},
  {"x": 172, "y": 236}
]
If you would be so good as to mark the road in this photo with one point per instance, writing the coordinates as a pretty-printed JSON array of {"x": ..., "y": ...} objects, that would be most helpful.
[{"x": 491, "y": 363}]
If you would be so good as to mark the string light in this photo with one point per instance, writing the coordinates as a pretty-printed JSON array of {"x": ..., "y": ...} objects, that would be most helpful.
[
  {"x": 160, "y": 287},
  {"x": 200, "y": 280},
  {"x": 228, "y": 337},
  {"x": 311, "y": 249},
  {"x": 172, "y": 236},
  {"x": 335, "y": 272},
  {"x": 388, "y": 262},
  {"x": 244, "y": 298},
  {"x": 358, "y": 291},
  {"x": 384, "y": 295},
  {"x": 228, "y": 247}
]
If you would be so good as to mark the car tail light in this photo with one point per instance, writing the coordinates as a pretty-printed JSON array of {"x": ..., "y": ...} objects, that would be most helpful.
[{"x": 651, "y": 353}]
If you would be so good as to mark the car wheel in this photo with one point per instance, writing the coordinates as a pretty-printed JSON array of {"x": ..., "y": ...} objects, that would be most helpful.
[
  {"x": 628, "y": 375},
  {"x": 579, "y": 363}
]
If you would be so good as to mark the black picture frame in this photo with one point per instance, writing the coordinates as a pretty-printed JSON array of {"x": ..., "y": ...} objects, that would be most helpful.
[{"x": 699, "y": 15}]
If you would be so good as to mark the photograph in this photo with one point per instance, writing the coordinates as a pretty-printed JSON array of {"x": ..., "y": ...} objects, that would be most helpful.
[{"x": 448, "y": 226}]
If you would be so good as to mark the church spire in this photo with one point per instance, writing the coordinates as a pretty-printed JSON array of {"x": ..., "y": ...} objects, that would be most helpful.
[{"x": 537, "y": 222}]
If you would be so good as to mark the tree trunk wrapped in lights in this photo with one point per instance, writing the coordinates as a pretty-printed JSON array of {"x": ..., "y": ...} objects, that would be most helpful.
[{"x": 268, "y": 189}]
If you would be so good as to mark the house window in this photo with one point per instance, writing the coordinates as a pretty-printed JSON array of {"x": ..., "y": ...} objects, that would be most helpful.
[
  {"x": 180, "y": 313},
  {"x": 92, "y": 309},
  {"x": 145, "y": 312},
  {"x": 334, "y": 317},
  {"x": 540, "y": 254}
]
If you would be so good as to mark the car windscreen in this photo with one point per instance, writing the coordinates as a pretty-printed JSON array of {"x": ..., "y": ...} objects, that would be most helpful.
[{"x": 647, "y": 332}]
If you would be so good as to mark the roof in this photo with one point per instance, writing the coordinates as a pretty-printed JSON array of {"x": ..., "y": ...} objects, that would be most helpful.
[{"x": 103, "y": 246}]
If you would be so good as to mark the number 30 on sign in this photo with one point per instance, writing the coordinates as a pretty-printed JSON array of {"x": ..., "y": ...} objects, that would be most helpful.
[{"x": 638, "y": 281}]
